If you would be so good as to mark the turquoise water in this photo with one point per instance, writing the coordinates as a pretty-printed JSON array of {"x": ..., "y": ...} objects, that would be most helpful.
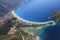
[
  {"x": 46, "y": 32},
  {"x": 37, "y": 11},
  {"x": 51, "y": 33}
]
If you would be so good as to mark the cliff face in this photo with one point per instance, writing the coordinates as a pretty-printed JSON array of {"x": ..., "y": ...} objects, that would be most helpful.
[
  {"x": 6, "y": 6},
  {"x": 5, "y": 23},
  {"x": 9, "y": 31},
  {"x": 9, "y": 5}
]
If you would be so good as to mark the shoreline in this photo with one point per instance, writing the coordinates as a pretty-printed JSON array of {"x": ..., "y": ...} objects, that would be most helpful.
[
  {"x": 37, "y": 37},
  {"x": 31, "y": 21}
]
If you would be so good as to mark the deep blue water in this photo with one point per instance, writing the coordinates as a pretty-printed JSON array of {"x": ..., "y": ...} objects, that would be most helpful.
[
  {"x": 38, "y": 10},
  {"x": 51, "y": 33}
]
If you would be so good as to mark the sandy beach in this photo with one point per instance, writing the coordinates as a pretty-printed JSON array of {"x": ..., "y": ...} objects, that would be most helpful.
[
  {"x": 37, "y": 38},
  {"x": 31, "y": 21}
]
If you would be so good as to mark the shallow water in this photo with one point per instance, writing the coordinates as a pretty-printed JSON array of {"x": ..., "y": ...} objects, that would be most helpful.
[
  {"x": 45, "y": 32},
  {"x": 51, "y": 33}
]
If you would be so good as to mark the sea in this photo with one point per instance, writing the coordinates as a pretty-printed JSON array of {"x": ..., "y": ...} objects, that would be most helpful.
[{"x": 38, "y": 11}]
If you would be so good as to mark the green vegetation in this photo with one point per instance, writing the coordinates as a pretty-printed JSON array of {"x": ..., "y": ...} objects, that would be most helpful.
[
  {"x": 18, "y": 35},
  {"x": 56, "y": 15}
]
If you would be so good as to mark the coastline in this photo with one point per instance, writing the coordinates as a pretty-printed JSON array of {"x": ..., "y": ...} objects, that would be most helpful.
[
  {"x": 37, "y": 37},
  {"x": 32, "y": 22}
]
